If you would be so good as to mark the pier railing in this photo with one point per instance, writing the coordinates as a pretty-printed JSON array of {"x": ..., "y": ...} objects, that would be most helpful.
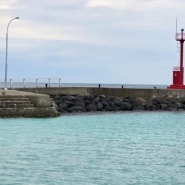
[
  {"x": 33, "y": 83},
  {"x": 57, "y": 83}
]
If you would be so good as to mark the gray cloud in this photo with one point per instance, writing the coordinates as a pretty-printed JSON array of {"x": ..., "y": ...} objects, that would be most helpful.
[{"x": 69, "y": 38}]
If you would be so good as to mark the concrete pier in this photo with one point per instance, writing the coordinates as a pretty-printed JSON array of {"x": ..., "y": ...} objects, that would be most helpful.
[
  {"x": 114, "y": 99},
  {"x": 36, "y": 102},
  {"x": 147, "y": 94},
  {"x": 15, "y": 103}
]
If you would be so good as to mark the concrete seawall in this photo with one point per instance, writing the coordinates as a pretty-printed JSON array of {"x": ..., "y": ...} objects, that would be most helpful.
[
  {"x": 83, "y": 99},
  {"x": 26, "y": 104},
  {"x": 36, "y": 102},
  {"x": 147, "y": 94}
]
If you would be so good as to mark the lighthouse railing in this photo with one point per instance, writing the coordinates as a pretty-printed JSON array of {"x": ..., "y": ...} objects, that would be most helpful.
[
  {"x": 177, "y": 68},
  {"x": 180, "y": 36}
]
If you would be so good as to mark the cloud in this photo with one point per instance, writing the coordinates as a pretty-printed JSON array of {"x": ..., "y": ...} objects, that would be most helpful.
[
  {"x": 91, "y": 39},
  {"x": 52, "y": 20},
  {"x": 136, "y": 5},
  {"x": 7, "y": 5},
  {"x": 78, "y": 21}
]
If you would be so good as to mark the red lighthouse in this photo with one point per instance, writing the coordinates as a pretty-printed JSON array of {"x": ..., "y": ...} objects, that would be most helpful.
[{"x": 178, "y": 72}]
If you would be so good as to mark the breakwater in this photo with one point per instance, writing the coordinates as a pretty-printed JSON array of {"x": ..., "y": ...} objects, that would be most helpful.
[
  {"x": 93, "y": 103},
  {"x": 112, "y": 99}
]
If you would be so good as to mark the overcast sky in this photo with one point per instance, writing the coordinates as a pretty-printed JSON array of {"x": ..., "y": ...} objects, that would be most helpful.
[{"x": 91, "y": 41}]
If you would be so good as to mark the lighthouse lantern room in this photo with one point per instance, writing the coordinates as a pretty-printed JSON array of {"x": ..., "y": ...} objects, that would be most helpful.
[{"x": 178, "y": 72}]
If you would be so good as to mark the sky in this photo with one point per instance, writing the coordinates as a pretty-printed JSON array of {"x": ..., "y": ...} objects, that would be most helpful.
[{"x": 91, "y": 41}]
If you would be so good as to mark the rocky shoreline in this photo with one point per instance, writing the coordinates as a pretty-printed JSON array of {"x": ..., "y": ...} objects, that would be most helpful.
[{"x": 101, "y": 103}]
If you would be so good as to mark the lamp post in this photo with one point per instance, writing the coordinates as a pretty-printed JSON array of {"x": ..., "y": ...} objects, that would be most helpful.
[{"x": 6, "y": 60}]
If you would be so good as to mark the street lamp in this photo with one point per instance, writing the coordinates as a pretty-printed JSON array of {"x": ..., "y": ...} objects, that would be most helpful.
[{"x": 6, "y": 61}]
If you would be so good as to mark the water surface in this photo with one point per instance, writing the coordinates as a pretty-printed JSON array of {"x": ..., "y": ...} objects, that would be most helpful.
[{"x": 104, "y": 149}]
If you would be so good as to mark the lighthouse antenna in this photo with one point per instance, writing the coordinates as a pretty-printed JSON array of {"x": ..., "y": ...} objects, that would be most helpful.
[{"x": 176, "y": 24}]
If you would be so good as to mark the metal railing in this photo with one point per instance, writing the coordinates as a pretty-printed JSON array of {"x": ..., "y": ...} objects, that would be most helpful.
[
  {"x": 32, "y": 83},
  {"x": 177, "y": 68},
  {"x": 57, "y": 83},
  {"x": 180, "y": 36}
]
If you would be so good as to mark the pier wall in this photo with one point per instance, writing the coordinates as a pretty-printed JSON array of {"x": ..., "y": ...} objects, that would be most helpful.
[
  {"x": 15, "y": 103},
  {"x": 147, "y": 94}
]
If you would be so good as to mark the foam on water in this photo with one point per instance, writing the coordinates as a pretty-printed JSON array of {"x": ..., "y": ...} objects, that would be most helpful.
[{"x": 113, "y": 149}]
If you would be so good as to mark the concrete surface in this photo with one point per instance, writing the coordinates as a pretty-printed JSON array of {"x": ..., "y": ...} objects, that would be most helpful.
[
  {"x": 147, "y": 94},
  {"x": 42, "y": 104}
]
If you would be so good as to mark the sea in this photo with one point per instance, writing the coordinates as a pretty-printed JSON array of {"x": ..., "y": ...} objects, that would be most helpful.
[{"x": 123, "y": 148}]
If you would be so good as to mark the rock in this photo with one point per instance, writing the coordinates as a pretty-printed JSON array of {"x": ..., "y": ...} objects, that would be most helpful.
[
  {"x": 78, "y": 109},
  {"x": 149, "y": 107},
  {"x": 96, "y": 100},
  {"x": 180, "y": 105},
  {"x": 68, "y": 103},
  {"x": 163, "y": 106},
  {"x": 126, "y": 106},
  {"x": 88, "y": 97},
  {"x": 109, "y": 108},
  {"x": 117, "y": 101},
  {"x": 68, "y": 97},
  {"x": 79, "y": 103},
  {"x": 68, "y": 110},
  {"x": 91, "y": 108},
  {"x": 138, "y": 106},
  {"x": 63, "y": 105},
  {"x": 126, "y": 100},
  {"x": 57, "y": 98},
  {"x": 172, "y": 108},
  {"x": 61, "y": 110},
  {"x": 104, "y": 101},
  {"x": 111, "y": 104},
  {"x": 79, "y": 98},
  {"x": 99, "y": 106}
]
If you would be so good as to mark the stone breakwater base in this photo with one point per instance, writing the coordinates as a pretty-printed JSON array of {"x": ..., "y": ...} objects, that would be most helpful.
[
  {"x": 90, "y": 103},
  {"x": 111, "y": 99},
  {"x": 25, "y": 104}
]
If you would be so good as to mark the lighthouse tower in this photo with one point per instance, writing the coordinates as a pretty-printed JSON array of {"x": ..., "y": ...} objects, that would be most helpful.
[{"x": 178, "y": 72}]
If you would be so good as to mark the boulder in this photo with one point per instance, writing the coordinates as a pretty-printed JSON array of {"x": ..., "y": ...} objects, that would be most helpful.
[
  {"x": 63, "y": 105},
  {"x": 79, "y": 103},
  {"x": 91, "y": 108},
  {"x": 126, "y": 106},
  {"x": 117, "y": 101},
  {"x": 78, "y": 109},
  {"x": 163, "y": 106},
  {"x": 68, "y": 97},
  {"x": 96, "y": 99},
  {"x": 149, "y": 107},
  {"x": 104, "y": 101},
  {"x": 68, "y": 103},
  {"x": 99, "y": 106}
]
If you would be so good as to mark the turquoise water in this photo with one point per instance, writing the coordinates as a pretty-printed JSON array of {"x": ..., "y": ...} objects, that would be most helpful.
[{"x": 105, "y": 149}]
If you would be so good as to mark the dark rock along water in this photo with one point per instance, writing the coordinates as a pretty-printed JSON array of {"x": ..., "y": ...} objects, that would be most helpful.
[
  {"x": 114, "y": 149},
  {"x": 93, "y": 103}
]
